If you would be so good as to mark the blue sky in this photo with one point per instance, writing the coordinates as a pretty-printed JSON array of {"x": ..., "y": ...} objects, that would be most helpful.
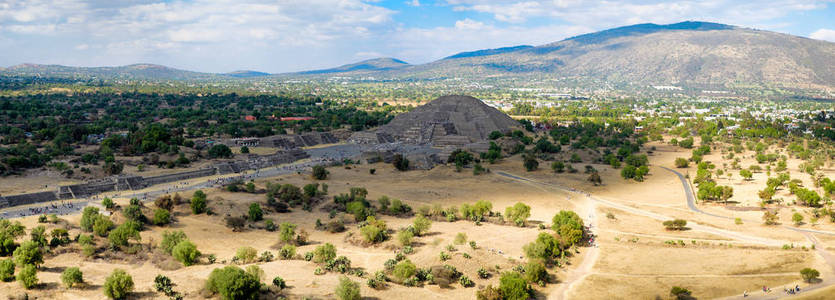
[{"x": 291, "y": 35}]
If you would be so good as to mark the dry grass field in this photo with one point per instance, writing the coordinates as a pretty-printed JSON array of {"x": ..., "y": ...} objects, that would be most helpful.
[{"x": 636, "y": 258}]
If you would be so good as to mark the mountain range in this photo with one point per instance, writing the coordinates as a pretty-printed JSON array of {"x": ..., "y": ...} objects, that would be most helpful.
[{"x": 686, "y": 53}]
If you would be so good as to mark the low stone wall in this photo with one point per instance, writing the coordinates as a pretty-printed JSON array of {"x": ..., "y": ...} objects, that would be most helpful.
[
  {"x": 25, "y": 199},
  {"x": 138, "y": 182},
  {"x": 178, "y": 176}
]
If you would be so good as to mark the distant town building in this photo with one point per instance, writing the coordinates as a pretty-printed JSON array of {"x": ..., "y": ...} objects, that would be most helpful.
[{"x": 250, "y": 118}]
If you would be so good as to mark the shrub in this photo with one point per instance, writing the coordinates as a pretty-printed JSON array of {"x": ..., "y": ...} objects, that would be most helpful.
[
  {"x": 770, "y": 218},
  {"x": 677, "y": 224},
  {"x": 287, "y": 232},
  {"x": 482, "y": 273},
  {"x": 809, "y": 274},
  {"x": 102, "y": 225},
  {"x": 287, "y": 252},
  {"x": 269, "y": 225},
  {"x": 444, "y": 256},
  {"x": 266, "y": 256},
  {"x": 220, "y": 151},
  {"x": 186, "y": 252},
  {"x": 161, "y": 217},
  {"x": 124, "y": 233},
  {"x": 324, "y": 253},
  {"x": 255, "y": 271},
  {"x": 460, "y": 238},
  {"x": 348, "y": 289},
  {"x": 279, "y": 283},
  {"x": 28, "y": 276},
  {"x": 233, "y": 283},
  {"x": 108, "y": 203},
  {"x": 88, "y": 217},
  {"x": 682, "y": 162},
  {"x": 518, "y": 213},
  {"x": 198, "y": 202},
  {"x": 530, "y": 163},
  {"x": 569, "y": 226},
  {"x": 255, "y": 212},
  {"x": 72, "y": 276},
  {"x": 163, "y": 284},
  {"x": 118, "y": 285},
  {"x": 797, "y": 218},
  {"x": 29, "y": 253},
  {"x": 171, "y": 239},
  {"x": 246, "y": 254},
  {"x": 489, "y": 293},
  {"x": 535, "y": 271},
  {"x": 514, "y": 287},
  {"x": 165, "y": 202},
  {"x": 421, "y": 225},
  {"x": 400, "y": 163},
  {"x": 404, "y": 270},
  {"x": 545, "y": 247},
  {"x": 680, "y": 292},
  {"x": 374, "y": 231},
  {"x": 7, "y": 270},
  {"x": 320, "y": 173},
  {"x": 405, "y": 238},
  {"x": 466, "y": 281}
]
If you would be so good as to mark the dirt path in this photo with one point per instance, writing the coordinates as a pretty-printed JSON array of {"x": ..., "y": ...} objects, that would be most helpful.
[
  {"x": 562, "y": 290},
  {"x": 829, "y": 258}
]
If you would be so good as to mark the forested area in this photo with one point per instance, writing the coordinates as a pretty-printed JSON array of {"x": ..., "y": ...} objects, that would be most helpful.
[{"x": 38, "y": 127}]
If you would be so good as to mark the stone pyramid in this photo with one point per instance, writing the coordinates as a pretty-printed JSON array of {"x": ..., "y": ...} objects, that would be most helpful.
[{"x": 449, "y": 121}]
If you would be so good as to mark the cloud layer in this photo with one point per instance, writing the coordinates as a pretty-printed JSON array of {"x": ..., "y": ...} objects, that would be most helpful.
[{"x": 289, "y": 35}]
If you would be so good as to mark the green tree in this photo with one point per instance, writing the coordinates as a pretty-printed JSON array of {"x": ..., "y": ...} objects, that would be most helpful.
[
  {"x": 421, "y": 225},
  {"x": 400, "y": 163},
  {"x": 287, "y": 232},
  {"x": 682, "y": 162},
  {"x": 530, "y": 162},
  {"x": 404, "y": 270},
  {"x": 545, "y": 247},
  {"x": 102, "y": 225},
  {"x": 122, "y": 235},
  {"x": 28, "y": 276},
  {"x": 186, "y": 252},
  {"x": 233, "y": 283},
  {"x": 569, "y": 226},
  {"x": 220, "y": 151},
  {"x": 245, "y": 150},
  {"x": 518, "y": 213},
  {"x": 404, "y": 237},
  {"x": 170, "y": 239},
  {"x": 348, "y": 289},
  {"x": 797, "y": 218},
  {"x": 809, "y": 274},
  {"x": 514, "y": 287},
  {"x": 161, "y": 217},
  {"x": 320, "y": 173},
  {"x": 118, "y": 285},
  {"x": 246, "y": 254},
  {"x": 323, "y": 253},
  {"x": 7, "y": 270},
  {"x": 746, "y": 174},
  {"x": 29, "y": 253},
  {"x": 198, "y": 202},
  {"x": 88, "y": 217},
  {"x": 255, "y": 212},
  {"x": 535, "y": 272},
  {"x": 72, "y": 276}
]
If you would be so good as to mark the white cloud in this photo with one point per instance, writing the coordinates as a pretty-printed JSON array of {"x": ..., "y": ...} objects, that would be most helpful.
[
  {"x": 606, "y": 13},
  {"x": 824, "y": 34},
  {"x": 414, "y": 3}
]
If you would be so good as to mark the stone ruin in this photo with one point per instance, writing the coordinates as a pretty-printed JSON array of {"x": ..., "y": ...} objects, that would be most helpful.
[
  {"x": 285, "y": 141},
  {"x": 132, "y": 182},
  {"x": 452, "y": 121},
  {"x": 447, "y": 123}
]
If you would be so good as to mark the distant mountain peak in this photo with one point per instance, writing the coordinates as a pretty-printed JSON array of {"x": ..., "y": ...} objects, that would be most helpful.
[
  {"x": 486, "y": 52},
  {"x": 646, "y": 28},
  {"x": 246, "y": 74},
  {"x": 368, "y": 65}
]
